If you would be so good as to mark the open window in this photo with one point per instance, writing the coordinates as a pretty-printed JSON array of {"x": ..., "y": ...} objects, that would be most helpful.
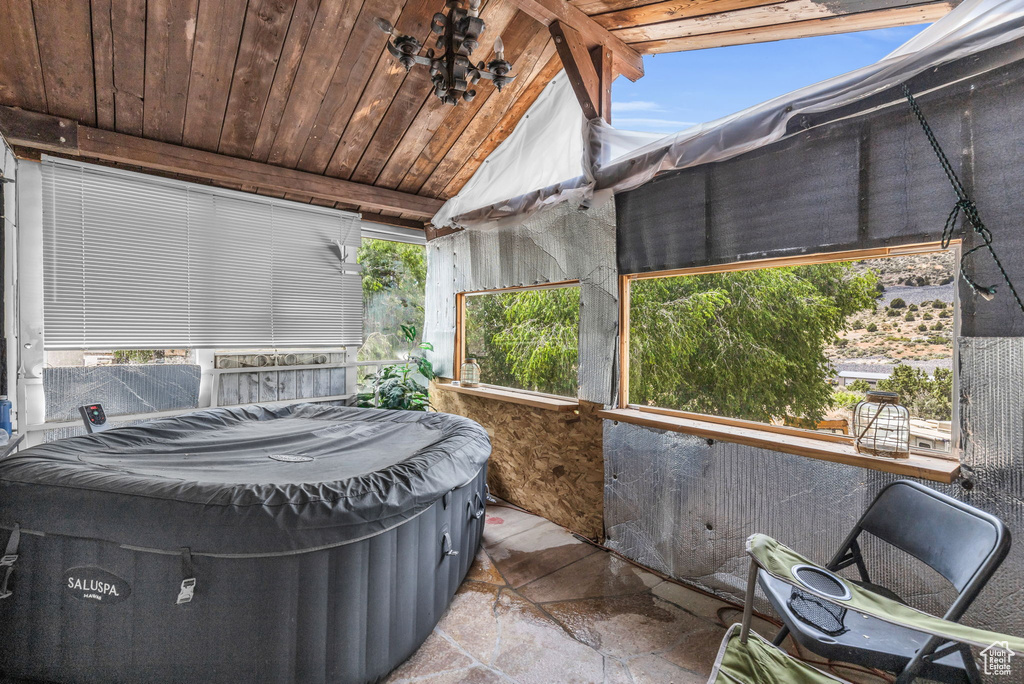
[
  {"x": 525, "y": 339},
  {"x": 792, "y": 345}
]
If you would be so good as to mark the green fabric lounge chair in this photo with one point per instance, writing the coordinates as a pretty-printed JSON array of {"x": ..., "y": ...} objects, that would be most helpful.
[
  {"x": 746, "y": 658},
  {"x": 962, "y": 545}
]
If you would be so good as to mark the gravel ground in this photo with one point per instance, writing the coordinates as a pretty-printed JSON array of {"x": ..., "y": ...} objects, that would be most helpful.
[
  {"x": 916, "y": 295},
  {"x": 881, "y": 364}
]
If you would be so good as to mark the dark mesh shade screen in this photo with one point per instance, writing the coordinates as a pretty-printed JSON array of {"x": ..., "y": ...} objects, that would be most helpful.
[{"x": 821, "y": 582}]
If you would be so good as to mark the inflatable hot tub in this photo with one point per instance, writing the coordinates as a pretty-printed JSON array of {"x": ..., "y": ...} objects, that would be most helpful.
[{"x": 298, "y": 544}]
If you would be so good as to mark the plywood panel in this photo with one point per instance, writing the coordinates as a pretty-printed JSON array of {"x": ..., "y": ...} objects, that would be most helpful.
[
  {"x": 362, "y": 53},
  {"x": 128, "y": 29},
  {"x": 549, "y": 463},
  {"x": 21, "y": 76},
  {"x": 266, "y": 26},
  {"x": 388, "y": 76},
  {"x": 218, "y": 30},
  {"x": 103, "y": 63},
  {"x": 170, "y": 35},
  {"x": 284, "y": 77},
  {"x": 325, "y": 46},
  {"x": 64, "y": 32},
  {"x": 751, "y": 17},
  {"x": 672, "y": 10}
]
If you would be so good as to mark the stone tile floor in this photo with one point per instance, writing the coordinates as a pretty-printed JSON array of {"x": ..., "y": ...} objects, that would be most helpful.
[{"x": 541, "y": 607}]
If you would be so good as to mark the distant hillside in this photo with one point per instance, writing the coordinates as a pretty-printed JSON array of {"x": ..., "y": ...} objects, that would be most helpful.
[{"x": 919, "y": 327}]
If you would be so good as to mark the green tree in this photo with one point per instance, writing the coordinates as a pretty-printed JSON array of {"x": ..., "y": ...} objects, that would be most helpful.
[
  {"x": 526, "y": 339},
  {"x": 748, "y": 344},
  {"x": 394, "y": 282},
  {"x": 929, "y": 397},
  {"x": 859, "y": 385}
]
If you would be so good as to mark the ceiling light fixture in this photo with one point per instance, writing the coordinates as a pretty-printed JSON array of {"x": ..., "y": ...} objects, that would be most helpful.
[{"x": 452, "y": 72}]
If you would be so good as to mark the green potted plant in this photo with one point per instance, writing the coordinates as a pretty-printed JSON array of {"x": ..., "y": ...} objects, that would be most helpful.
[{"x": 404, "y": 386}]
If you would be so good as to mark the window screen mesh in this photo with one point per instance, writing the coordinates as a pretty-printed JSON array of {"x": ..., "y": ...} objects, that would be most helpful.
[{"x": 134, "y": 261}]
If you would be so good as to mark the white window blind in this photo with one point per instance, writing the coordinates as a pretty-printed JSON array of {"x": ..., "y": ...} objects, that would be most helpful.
[{"x": 136, "y": 261}]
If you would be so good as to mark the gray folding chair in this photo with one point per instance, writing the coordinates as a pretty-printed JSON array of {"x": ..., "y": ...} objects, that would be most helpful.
[
  {"x": 745, "y": 658},
  {"x": 961, "y": 543}
]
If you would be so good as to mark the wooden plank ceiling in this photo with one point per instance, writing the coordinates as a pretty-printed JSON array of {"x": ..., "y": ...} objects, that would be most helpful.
[{"x": 307, "y": 85}]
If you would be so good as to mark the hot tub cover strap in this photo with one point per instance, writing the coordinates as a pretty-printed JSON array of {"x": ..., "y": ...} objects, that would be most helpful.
[
  {"x": 8, "y": 559},
  {"x": 243, "y": 481},
  {"x": 188, "y": 584}
]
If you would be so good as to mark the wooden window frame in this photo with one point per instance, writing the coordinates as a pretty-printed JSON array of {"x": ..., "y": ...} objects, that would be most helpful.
[
  {"x": 460, "y": 341},
  {"x": 728, "y": 428}
]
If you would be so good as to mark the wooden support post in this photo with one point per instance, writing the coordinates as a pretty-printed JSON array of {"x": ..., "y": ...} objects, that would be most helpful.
[
  {"x": 604, "y": 64},
  {"x": 578, "y": 67},
  {"x": 591, "y": 70},
  {"x": 460, "y": 335}
]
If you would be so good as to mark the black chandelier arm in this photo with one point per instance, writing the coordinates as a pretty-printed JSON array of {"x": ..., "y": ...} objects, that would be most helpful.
[
  {"x": 452, "y": 72},
  {"x": 490, "y": 77}
]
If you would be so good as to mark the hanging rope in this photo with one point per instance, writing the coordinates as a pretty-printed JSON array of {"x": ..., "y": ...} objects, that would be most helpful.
[{"x": 965, "y": 205}]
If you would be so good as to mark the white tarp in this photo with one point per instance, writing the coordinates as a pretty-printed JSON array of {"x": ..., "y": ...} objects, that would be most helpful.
[{"x": 522, "y": 175}]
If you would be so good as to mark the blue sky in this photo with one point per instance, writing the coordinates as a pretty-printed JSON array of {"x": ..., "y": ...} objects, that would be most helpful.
[{"x": 683, "y": 88}]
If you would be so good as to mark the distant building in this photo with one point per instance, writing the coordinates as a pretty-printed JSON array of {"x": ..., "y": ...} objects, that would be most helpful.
[
  {"x": 844, "y": 378},
  {"x": 931, "y": 434}
]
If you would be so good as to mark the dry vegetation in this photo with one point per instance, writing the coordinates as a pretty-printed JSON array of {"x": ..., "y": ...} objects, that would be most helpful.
[{"x": 913, "y": 318}]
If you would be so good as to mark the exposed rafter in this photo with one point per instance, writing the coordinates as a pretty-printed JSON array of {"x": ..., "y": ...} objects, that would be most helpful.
[
  {"x": 590, "y": 71},
  {"x": 673, "y": 25},
  {"x": 630, "y": 63},
  {"x": 700, "y": 37}
]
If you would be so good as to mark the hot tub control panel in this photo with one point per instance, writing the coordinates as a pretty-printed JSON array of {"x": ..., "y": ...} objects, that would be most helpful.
[{"x": 94, "y": 418}]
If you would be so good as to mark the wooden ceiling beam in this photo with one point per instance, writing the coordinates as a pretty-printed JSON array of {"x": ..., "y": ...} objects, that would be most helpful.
[
  {"x": 630, "y": 62},
  {"x": 777, "y": 14},
  {"x": 921, "y": 13},
  {"x": 393, "y": 221},
  {"x": 672, "y": 10},
  {"x": 68, "y": 137},
  {"x": 582, "y": 71}
]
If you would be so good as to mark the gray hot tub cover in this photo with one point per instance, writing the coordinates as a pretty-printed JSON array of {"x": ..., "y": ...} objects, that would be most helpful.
[{"x": 243, "y": 481}]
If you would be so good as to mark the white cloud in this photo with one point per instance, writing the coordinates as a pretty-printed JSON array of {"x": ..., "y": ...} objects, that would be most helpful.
[
  {"x": 636, "y": 106},
  {"x": 650, "y": 125}
]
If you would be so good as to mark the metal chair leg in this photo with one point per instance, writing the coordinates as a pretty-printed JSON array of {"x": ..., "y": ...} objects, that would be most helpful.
[
  {"x": 748, "y": 602},
  {"x": 971, "y": 667}
]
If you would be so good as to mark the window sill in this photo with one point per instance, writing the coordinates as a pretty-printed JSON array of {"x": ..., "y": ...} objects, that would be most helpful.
[
  {"x": 924, "y": 467},
  {"x": 526, "y": 399}
]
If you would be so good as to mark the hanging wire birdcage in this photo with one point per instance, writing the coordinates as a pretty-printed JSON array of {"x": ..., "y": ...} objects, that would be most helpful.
[{"x": 881, "y": 426}]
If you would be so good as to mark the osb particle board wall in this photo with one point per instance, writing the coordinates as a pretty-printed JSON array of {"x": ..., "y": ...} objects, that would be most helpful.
[{"x": 550, "y": 463}]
